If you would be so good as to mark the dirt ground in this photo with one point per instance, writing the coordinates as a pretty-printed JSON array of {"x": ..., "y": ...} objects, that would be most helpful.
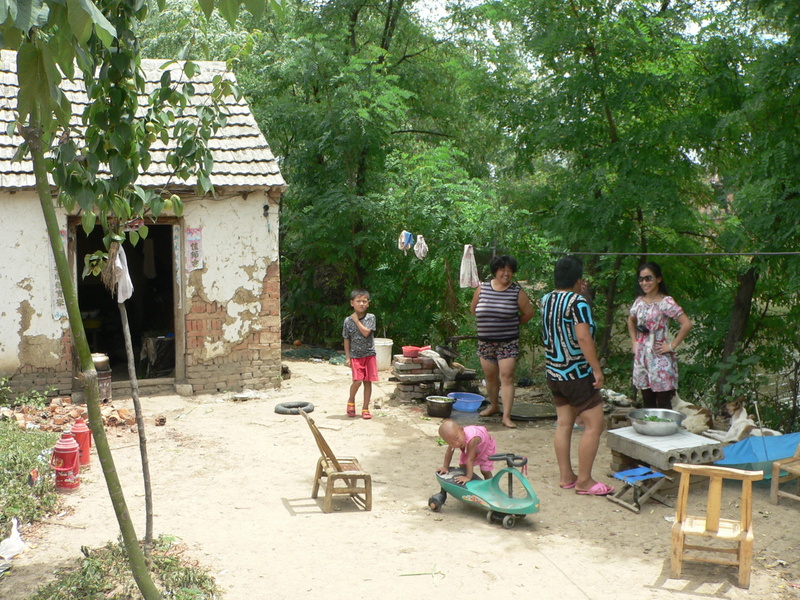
[{"x": 232, "y": 480}]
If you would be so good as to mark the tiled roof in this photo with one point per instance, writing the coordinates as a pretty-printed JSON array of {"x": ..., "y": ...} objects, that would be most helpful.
[{"x": 242, "y": 157}]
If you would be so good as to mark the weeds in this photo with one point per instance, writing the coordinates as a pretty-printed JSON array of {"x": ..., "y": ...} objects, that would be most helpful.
[
  {"x": 21, "y": 495},
  {"x": 31, "y": 398},
  {"x": 104, "y": 573}
]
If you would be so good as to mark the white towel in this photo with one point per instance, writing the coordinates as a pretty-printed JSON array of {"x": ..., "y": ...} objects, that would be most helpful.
[{"x": 469, "y": 270}]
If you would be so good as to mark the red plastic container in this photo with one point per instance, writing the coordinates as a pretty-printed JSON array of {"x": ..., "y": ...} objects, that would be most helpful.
[
  {"x": 413, "y": 351},
  {"x": 82, "y": 435},
  {"x": 66, "y": 464}
]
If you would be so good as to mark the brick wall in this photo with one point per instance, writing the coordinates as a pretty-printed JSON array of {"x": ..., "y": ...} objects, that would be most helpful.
[
  {"x": 43, "y": 379},
  {"x": 254, "y": 362}
]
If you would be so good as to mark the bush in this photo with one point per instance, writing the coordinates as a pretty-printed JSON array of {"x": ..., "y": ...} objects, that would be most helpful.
[
  {"x": 104, "y": 573},
  {"x": 23, "y": 452}
]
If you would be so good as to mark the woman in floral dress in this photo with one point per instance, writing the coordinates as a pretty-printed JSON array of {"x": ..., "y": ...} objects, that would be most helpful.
[{"x": 655, "y": 369}]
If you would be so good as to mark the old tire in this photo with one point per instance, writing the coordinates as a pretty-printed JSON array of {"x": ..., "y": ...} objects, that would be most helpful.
[{"x": 293, "y": 408}]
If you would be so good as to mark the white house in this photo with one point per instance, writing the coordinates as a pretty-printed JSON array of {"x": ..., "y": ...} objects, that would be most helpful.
[{"x": 206, "y": 308}]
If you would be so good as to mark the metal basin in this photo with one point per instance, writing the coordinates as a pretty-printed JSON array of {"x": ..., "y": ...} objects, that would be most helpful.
[{"x": 671, "y": 425}]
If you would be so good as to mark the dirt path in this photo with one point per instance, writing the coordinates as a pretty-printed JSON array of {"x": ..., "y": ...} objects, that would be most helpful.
[{"x": 233, "y": 481}]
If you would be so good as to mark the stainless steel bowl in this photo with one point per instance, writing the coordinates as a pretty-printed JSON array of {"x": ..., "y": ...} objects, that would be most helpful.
[{"x": 644, "y": 427}]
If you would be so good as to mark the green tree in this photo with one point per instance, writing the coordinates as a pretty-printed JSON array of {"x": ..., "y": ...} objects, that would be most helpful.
[{"x": 51, "y": 38}]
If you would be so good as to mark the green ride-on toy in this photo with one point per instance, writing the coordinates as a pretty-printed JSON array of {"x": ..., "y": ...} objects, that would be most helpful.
[{"x": 504, "y": 506}]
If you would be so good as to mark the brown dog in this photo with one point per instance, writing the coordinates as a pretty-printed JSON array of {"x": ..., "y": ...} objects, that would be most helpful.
[
  {"x": 698, "y": 419},
  {"x": 742, "y": 426}
]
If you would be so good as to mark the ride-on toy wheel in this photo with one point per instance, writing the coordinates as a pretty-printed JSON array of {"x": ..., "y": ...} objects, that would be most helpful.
[
  {"x": 436, "y": 501},
  {"x": 507, "y": 521}
]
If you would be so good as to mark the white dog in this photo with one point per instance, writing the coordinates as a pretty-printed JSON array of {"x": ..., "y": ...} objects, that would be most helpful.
[
  {"x": 742, "y": 426},
  {"x": 698, "y": 419}
]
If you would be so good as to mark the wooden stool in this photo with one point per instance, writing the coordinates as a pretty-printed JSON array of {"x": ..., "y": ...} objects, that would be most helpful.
[{"x": 644, "y": 482}]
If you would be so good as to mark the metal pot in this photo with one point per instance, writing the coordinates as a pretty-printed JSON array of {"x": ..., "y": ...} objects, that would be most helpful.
[{"x": 439, "y": 406}]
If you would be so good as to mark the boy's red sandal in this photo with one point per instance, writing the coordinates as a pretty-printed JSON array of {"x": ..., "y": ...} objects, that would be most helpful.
[
  {"x": 351, "y": 409},
  {"x": 365, "y": 414}
]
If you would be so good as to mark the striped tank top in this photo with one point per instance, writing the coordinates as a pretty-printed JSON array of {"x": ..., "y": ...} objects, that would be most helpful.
[{"x": 498, "y": 313}]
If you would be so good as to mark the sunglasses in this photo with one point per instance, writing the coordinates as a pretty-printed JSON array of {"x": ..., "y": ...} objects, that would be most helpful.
[
  {"x": 647, "y": 278},
  {"x": 642, "y": 329}
]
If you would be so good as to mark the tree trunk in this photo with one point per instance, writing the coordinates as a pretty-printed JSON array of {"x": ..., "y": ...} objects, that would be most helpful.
[
  {"x": 137, "y": 406},
  {"x": 136, "y": 560},
  {"x": 742, "y": 305},
  {"x": 611, "y": 306}
]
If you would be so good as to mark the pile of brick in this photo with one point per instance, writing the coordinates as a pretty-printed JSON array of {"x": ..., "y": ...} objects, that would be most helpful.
[
  {"x": 419, "y": 378},
  {"x": 61, "y": 413}
]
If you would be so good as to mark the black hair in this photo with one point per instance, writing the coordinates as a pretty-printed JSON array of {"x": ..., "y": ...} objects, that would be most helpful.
[
  {"x": 498, "y": 262},
  {"x": 567, "y": 272},
  {"x": 355, "y": 293},
  {"x": 655, "y": 269}
]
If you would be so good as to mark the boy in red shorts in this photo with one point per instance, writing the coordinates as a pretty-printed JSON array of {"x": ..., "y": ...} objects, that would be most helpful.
[{"x": 358, "y": 332}]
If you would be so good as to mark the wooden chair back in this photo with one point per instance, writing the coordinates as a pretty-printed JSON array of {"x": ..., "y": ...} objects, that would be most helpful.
[
  {"x": 791, "y": 467},
  {"x": 712, "y": 525},
  {"x": 323, "y": 446}
]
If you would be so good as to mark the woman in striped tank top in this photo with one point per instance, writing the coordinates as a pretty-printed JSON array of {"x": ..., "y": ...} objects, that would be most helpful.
[{"x": 500, "y": 306}]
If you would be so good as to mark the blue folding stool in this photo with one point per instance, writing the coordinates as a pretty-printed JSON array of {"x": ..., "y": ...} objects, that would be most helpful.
[{"x": 644, "y": 482}]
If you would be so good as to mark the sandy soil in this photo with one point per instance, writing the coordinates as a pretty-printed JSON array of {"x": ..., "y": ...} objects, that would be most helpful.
[{"x": 233, "y": 481}]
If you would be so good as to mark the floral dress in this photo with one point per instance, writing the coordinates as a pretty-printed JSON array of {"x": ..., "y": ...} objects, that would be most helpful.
[{"x": 657, "y": 372}]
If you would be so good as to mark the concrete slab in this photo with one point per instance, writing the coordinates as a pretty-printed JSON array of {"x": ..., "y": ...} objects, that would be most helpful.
[{"x": 662, "y": 452}]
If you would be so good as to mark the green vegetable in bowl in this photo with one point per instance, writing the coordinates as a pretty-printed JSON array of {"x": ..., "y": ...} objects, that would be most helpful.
[{"x": 655, "y": 419}]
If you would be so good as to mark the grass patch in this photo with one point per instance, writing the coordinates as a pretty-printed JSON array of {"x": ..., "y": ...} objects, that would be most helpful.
[
  {"x": 24, "y": 451},
  {"x": 104, "y": 573}
]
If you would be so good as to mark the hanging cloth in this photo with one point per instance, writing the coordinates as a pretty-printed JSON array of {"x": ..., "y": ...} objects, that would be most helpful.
[
  {"x": 421, "y": 248},
  {"x": 469, "y": 270},
  {"x": 124, "y": 283},
  {"x": 405, "y": 241}
]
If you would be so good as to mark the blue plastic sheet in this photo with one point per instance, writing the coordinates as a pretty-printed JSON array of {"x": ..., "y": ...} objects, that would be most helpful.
[{"x": 757, "y": 453}]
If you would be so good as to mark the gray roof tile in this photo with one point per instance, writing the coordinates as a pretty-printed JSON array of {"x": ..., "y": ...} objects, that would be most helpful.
[{"x": 242, "y": 156}]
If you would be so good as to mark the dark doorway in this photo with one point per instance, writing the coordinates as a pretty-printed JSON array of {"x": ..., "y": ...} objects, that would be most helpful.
[{"x": 151, "y": 308}]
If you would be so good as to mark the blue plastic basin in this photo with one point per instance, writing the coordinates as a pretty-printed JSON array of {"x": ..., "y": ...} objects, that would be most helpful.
[{"x": 465, "y": 401}]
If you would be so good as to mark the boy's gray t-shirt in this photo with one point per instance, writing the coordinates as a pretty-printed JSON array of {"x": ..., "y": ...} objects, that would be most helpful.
[{"x": 360, "y": 346}]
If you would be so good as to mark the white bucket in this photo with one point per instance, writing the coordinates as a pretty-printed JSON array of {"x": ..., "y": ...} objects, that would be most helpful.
[{"x": 383, "y": 353}]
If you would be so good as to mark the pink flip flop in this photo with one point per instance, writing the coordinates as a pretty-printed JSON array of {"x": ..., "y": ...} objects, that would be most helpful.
[
  {"x": 569, "y": 486},
  {"x": 598, "y": 489}
]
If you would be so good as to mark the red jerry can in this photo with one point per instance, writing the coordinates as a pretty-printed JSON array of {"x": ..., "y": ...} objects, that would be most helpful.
[
  {"x": 82, "y": 435},
  {"x": 66, "y": 464}
]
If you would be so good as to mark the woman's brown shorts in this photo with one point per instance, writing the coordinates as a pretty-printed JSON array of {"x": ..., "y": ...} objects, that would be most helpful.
[{"x": 578, "y": 393}]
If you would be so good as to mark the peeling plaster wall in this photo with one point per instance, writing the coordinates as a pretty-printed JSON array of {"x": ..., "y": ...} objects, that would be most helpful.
[
  {"x": 31, "y": 338},
  {"x": 232, "y": 324}
]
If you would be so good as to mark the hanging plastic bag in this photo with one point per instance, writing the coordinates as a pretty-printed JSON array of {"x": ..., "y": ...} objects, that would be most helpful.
[
  {"x": 421, "y": 248},
  {"x": 405, "y": 241}
]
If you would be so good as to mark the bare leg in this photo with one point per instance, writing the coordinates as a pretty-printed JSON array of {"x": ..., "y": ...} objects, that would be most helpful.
[
  {"x": 506, "y": 367},
  {"x": 594, "y": 423},
  {"x": 486, "y": 474},
  {"x": 562, "y": 442},
  {"x": 491, "y": 371},
  {"x": 367, "y": 394},
  {"x": 354, "y": 390}
]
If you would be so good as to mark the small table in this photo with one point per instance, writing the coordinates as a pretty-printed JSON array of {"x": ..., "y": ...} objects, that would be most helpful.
[{"x": 663, "y": 451}]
